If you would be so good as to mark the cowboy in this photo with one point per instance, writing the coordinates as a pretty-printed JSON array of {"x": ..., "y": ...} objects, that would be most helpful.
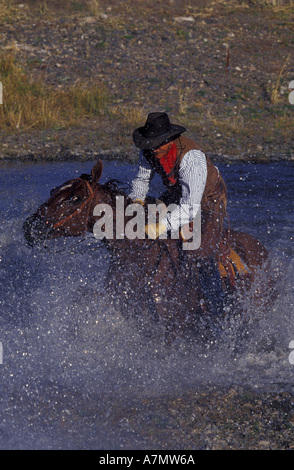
[{"x": 191, "y": 180}]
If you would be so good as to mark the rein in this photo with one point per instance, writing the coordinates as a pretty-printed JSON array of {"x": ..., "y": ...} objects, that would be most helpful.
[{"x": 89, "y": 199}]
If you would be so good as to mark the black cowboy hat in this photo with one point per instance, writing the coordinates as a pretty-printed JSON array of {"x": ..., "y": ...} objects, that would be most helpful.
[{"x": 156, "y": 131}]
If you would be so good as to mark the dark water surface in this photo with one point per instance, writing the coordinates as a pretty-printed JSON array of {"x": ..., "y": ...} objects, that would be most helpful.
[{"x": 67, "y": 354}]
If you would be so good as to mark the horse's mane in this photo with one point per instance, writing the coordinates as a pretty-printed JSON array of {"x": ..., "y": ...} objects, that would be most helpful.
[
  {"x": 113, "y": 186},
  {"x": 86, "y": 177},
  {"x": 116, "y": 188}
]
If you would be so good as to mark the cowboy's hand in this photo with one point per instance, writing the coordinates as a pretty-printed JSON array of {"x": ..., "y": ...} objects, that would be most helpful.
[
  {"x": 155, "y": 230},
  {"x": 139, "y": 201}
]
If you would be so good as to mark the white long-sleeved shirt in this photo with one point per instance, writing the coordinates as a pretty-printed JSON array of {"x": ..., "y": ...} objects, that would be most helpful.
[{"x": 192, "y": 178}]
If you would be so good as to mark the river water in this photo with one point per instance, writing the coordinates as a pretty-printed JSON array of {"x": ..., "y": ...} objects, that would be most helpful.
[{"x": 68, "y": 359}]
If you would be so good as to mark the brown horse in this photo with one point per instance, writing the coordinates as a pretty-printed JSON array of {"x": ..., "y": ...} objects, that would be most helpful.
[{"x": 153, "y": 277}]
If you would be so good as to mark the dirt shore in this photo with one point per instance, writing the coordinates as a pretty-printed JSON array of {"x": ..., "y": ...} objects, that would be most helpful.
[{"x": 222, "y": 69}]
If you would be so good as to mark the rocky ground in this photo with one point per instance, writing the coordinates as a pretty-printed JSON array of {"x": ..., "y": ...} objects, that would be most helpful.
[
  {"x": 232, "y": 419},
  {"x": 222, "y": 69},
  {"x": 215, "y": 67}
]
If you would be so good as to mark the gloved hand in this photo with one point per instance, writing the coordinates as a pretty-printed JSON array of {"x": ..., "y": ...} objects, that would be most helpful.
[{"x": 155, "y": 230}]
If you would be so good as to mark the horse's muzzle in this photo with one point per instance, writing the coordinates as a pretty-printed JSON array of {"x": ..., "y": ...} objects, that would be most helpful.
[{"x": 35, "y": 230}]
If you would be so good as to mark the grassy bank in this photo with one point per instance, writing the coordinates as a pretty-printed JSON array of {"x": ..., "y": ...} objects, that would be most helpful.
[{"x": 86, "y": 73}]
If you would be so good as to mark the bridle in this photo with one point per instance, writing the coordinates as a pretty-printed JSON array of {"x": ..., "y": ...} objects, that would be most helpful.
[
  {"x": 163, "y": 248},
  {"x": 81, "y": 207}
]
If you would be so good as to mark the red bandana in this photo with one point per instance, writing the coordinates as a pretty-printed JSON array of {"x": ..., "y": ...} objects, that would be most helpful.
[{"x": 168, "y": 161}]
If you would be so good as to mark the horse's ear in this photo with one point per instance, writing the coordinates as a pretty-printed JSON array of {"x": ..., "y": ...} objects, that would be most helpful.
[{"x": 97, "y": 171}]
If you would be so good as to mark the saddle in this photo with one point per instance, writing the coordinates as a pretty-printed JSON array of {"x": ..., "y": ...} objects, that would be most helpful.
[{"x": 231, "y": 265}]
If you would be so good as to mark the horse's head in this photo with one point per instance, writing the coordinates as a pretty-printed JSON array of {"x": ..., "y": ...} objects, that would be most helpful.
[{"x": 66, "y": 213}]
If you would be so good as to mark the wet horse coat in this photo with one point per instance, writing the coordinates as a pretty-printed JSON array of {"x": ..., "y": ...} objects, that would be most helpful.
[{"x": 154, "y": 278}]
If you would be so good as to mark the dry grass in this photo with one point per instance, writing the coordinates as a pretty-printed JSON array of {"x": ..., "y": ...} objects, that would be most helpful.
[
  {"x": 272, "y": 4},
  {"x": 130, "y": 116},
  {"x": 11, "y": 11},
  {"x": 276, "y": 90},
  {"x": 29, "y": 104},
  {"x": 223, "y": 125},
  {"x": 94, "y": 7},
  {"x": 6, "y": 10},
  {"x": 186, "y": 98}
]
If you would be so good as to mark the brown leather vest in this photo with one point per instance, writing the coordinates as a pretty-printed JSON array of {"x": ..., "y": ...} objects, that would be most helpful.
[{"x": 184, "y": 145}]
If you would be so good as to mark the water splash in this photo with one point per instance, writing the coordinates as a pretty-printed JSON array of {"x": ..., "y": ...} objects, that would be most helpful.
[{"x": 64, "y": 340}]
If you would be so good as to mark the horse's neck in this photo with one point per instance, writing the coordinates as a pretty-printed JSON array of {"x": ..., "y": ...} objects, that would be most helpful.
[
  {"x": 116, "y": 201},
  {"x": 120, "y": 245}
]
